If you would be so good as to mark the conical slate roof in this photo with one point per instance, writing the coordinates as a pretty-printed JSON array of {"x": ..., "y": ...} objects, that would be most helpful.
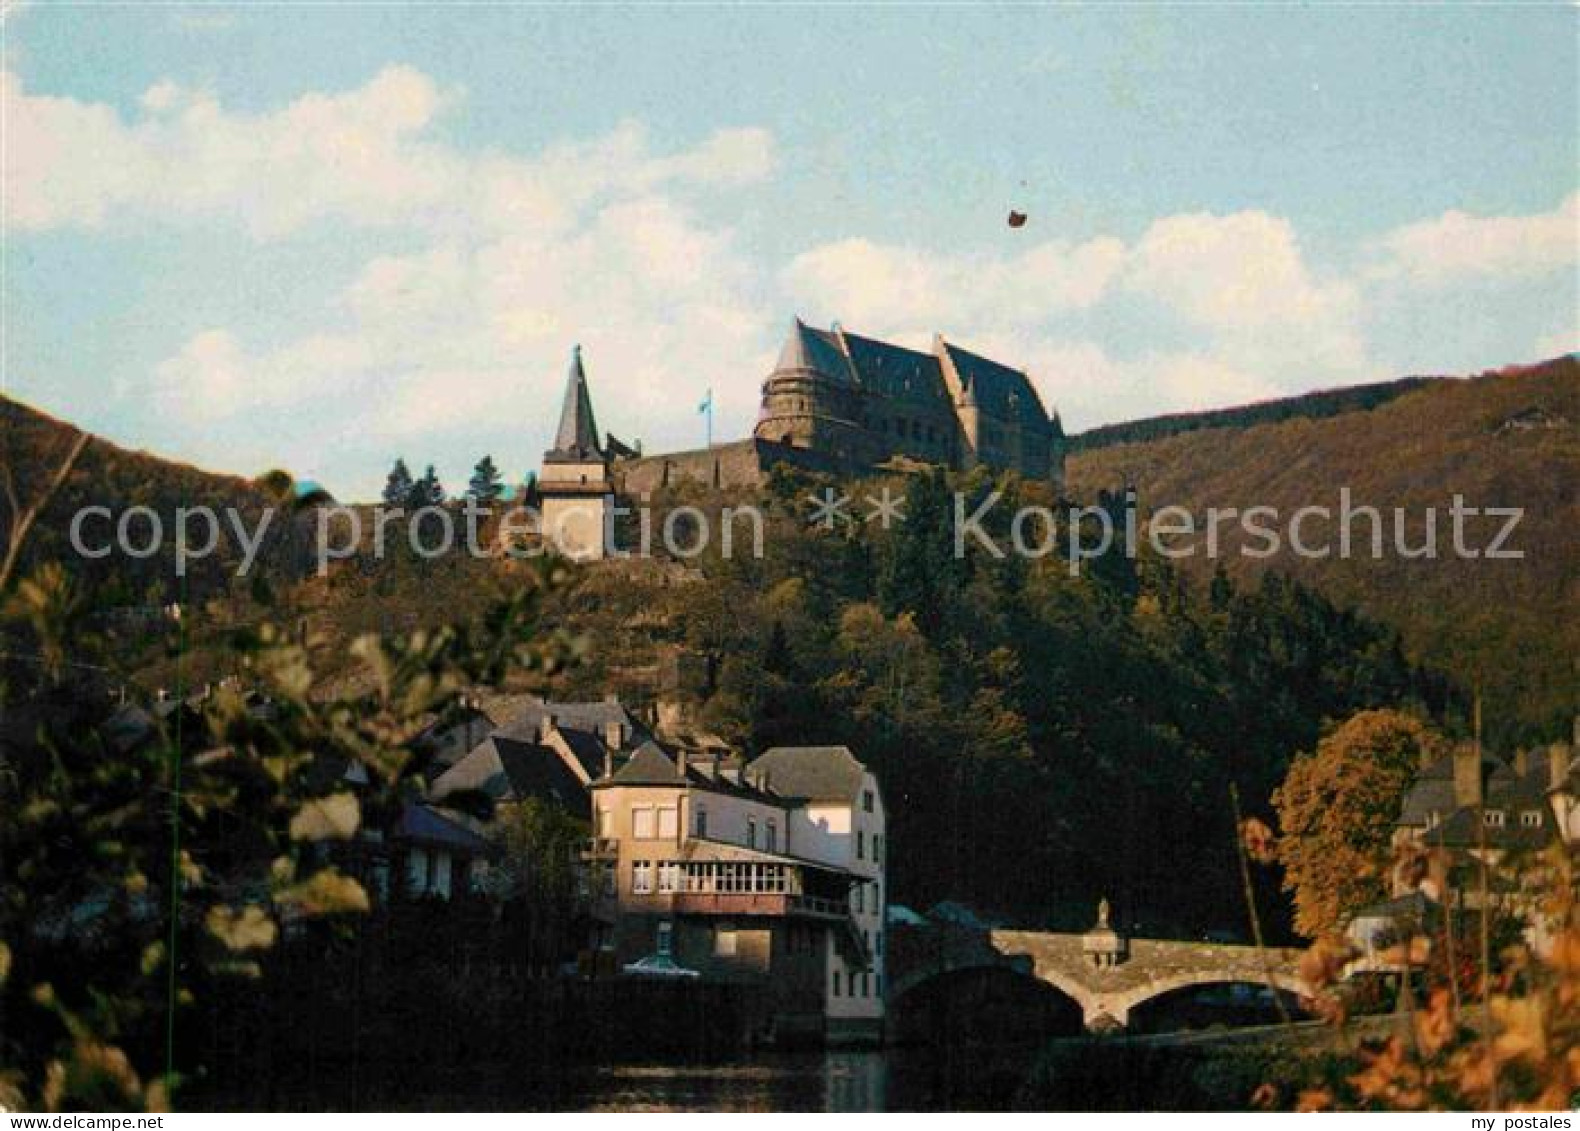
[
  {"x": 812, "y": 351},
  {"x": 577, "y": 437}
]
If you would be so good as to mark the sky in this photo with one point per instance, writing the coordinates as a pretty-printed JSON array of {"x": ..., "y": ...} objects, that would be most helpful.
[{"x": 319, "y": 237}]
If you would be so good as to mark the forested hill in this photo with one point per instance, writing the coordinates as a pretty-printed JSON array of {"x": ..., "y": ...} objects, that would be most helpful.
[
  {"x": 1506, "y": 439},
  {"x": 1323, "y": 403},
  {"x": 32, "y": 446}
]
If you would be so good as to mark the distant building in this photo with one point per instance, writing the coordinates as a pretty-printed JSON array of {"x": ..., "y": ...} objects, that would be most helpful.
[
  {"x": 835, "y": 402},
  {"x": 1476, "y": 813},
  {"x": 575, "y": 486},
  {"x": 770, "y": 873}
]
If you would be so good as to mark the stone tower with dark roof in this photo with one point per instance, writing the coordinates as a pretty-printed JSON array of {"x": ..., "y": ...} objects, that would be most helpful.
[{"x": 576, "y": 488}]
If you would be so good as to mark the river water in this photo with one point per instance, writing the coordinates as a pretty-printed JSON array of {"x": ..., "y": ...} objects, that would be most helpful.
[{"x": 891, "y": 1079}]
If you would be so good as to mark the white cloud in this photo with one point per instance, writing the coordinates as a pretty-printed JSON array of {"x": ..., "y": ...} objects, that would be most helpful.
[
  {"x": 898, "y": 288},
  {"x": 362, "y": 156},
  {"x": 592, "y": 241},
  {"x": 1457, "y": 247},
  {"x": 1258, "y": 320}
]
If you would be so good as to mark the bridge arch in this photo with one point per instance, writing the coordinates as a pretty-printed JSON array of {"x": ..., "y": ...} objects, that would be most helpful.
[
  {"x": 989, "y": 1001},
  {"x": 1119, "y": 1005}
]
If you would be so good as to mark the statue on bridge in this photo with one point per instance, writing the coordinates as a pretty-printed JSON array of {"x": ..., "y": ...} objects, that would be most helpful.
[{"x": 1103, "y": 945}]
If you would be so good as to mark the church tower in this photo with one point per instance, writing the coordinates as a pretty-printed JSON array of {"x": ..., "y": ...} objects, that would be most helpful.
[{"x": 577, "y": 491}]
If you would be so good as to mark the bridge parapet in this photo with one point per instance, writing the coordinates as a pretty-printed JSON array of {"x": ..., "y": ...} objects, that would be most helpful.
[{"x": 1106, "y": 993}]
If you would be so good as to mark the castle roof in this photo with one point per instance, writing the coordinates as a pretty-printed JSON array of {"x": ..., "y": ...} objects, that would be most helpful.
[
  {"x": 997, "y": 389},
  {"x": 576, "y": 440},
  {"x": 895, "y": 371},
  {"x": 813, "y": 351}
]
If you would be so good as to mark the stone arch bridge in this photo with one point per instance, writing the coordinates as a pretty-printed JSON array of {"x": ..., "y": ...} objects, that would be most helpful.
[{"x": 1106, "y": 985}]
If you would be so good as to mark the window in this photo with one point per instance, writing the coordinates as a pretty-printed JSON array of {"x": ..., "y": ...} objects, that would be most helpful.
[
  {"x": 836, "y": 983},
  {"x": 861, "y": 843},
  {"x": 666, "y": 938},
  {"x": 855, "y": 896},
  {"x": 1531, "y": 818},
  {"x": 668, "y": 823},
  {"x": 609, "y": 883},
  {"x": 606, "y": 823},
  {"x": 751, "y": 832},
  {"x": 643, "y": 824},
  {"x": 1493, "y": 818},
  {"x": 702, "y": 822},
  {"x": 877, "y": 848},
  {"x": 668, "y": 877},
  {"x": 641, "y": 877},
  {"x": 773, "y": 835},
  {"x": 866, "y": 800},
  {"x": 864, "y": 992},
  {"x": 724, "y": 940},
  {"x": 417, "y": 872}
]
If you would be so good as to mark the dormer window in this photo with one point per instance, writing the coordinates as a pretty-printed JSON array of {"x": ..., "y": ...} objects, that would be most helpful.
[
  {"x": 1531, "y": 818},
  {"x": 1493, "y": 818},
  {"x": 866, "y": 800}
]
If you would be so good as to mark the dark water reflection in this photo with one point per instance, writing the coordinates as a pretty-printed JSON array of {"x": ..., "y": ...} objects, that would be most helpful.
[
  {"x": 894, "y": 1079},
  {"x": 888, "y": 1080}
]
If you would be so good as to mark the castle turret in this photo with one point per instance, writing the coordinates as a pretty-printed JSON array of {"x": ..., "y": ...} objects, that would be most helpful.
[
  {"x": 577, "y": 493},
  {"x": 809, "y": 398}
]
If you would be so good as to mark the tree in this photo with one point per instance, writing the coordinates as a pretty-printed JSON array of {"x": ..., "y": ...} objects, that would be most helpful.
[
  {"x": 23, "y": 517},
  {"x": 1337, "y": 808},
  {"x": 427, "y": 491},
  {"x": 486, "y": 485},
  {"x": 536, "y": 879},
  {"x": 397, "y": 488}
]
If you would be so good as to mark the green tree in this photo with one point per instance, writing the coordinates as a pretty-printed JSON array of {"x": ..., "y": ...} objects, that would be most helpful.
[
  {"x": 427, "y": 491},
  {"x": 1337, "y": 809},
  {"x": 486, "y": 484},
  {"x": 536, "y": 881},
  {"x": 397, "y": 488}
]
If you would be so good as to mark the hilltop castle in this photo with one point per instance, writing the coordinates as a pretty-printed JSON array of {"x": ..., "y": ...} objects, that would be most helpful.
[{"x": 835, "y": 402}]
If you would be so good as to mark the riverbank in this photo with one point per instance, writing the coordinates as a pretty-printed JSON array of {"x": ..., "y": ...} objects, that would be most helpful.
[{"x": 1217, "y": 1070}]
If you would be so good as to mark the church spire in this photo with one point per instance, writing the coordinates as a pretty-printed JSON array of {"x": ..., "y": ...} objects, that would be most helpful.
[{"x": 577, "y": 437}]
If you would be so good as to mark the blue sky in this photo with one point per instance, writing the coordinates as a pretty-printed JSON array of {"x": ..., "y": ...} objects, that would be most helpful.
[{"x": 322, "y": 237}]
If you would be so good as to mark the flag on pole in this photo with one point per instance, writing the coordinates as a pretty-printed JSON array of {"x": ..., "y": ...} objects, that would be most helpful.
[{"x": 706, "y": 409}]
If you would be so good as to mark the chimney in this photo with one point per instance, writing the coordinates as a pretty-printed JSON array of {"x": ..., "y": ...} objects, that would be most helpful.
[
  {"x": 1558, "y": 756},
  {"x": 1467, "y": 774},
  {"x": 1522, "y": 762},
  {"x": 614, "y": 733},
  {"x": 608, "y": 762},
  {"x": 680, "y": 761}
]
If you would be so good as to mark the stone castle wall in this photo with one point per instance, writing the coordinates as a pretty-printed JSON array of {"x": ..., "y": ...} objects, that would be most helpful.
[{"x": 742, "y": 463}]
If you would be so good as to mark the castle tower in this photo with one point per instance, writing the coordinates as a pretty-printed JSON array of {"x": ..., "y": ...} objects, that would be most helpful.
[
  {"x": 577, "y": 492},
  {"x": 810, "y": 398}
]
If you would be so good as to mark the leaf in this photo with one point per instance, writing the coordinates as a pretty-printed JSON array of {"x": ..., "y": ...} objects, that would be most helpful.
[
  {"x": 330, "y": 892},
  {"x": 335, "y": 817},
  {"x": 153, "y": 957},
  {"x": 248, "y": 929}
]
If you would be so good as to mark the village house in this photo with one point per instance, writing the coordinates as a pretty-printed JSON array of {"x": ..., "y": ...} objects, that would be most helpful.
[
  {"x": 1483, "y": 823},
  {"x": 769, "y": 872}
]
